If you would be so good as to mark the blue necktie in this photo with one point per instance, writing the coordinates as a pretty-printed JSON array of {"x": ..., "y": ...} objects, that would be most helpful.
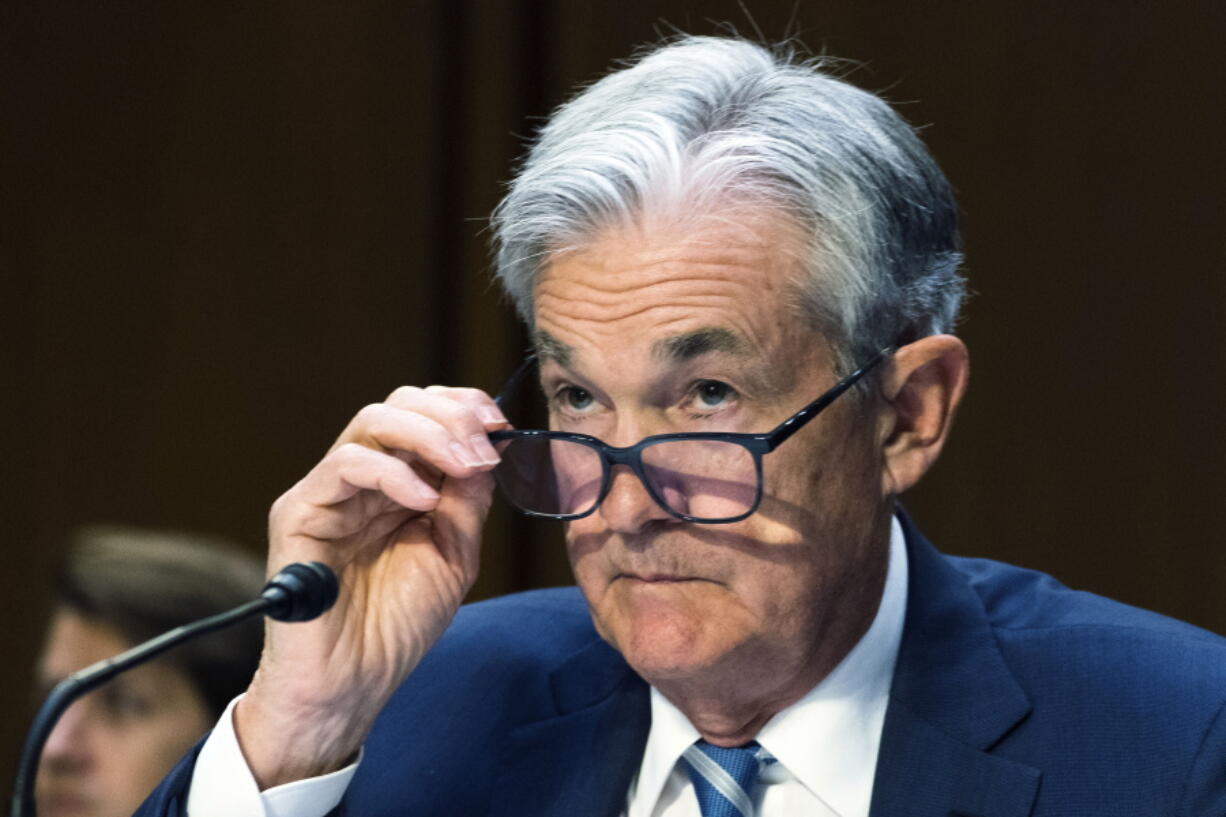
[{"x": 723, "y": 778}]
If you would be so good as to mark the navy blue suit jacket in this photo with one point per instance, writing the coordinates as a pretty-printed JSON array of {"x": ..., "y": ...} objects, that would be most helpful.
[{"x": 1012, "y": 696}]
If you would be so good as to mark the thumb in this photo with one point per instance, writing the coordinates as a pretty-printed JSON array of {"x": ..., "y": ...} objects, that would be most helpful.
[{"x": 457, "y": 519}]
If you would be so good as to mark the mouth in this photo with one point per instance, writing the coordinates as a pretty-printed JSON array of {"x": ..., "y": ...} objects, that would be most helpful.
[
  {"x": 66, "y": 804},
  {"x": 656, "y": 578}
]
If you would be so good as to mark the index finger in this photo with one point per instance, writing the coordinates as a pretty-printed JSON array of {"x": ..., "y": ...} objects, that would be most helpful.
[{"x": 477, "y": 401}]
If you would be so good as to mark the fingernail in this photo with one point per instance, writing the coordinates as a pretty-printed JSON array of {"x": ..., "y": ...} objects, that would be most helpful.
[
  {"x": 427, "y": 492},
  {"x": 481, "y": 445},
  {"x": 490, "y": 414},
  {"x": 464, "y": 455}
]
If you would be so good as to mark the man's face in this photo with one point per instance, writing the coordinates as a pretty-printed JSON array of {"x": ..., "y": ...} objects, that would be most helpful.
[
  {"x": 648, "y": 332},
  {"x": 112, "y": 747}
]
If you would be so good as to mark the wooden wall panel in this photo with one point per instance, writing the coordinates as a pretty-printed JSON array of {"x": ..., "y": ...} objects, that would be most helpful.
[{"x": 225, "y": 227}]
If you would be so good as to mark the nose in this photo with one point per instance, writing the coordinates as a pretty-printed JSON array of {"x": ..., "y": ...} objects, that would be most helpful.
[
  {"x": 628, "y": 508},
  {"x": 68, "y": 746}
]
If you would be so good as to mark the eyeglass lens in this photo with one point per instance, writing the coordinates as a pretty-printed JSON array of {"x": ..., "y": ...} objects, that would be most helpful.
[{"x": 706, "y": 479}]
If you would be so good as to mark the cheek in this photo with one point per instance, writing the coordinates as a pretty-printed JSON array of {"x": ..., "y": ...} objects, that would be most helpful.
[
  {"x": 589, "y": 562},
  {"x": 585, "y": 542},
  {"x": 818, "y": 507},
  {"x": 149, "y": 751},
  {"x": 782, "y": 586},
  {"x": 129, "y": 762},
  {"x": 154, "y": 744},
  {"x": 823, "y": 481}
]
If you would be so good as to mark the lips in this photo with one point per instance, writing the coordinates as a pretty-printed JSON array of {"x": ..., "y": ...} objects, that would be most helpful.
[
  {"x": 63, "y": 804},
  {"x": 657, "y": 578}
]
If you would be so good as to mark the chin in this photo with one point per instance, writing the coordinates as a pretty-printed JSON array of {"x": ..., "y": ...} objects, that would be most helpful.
[{"x": 662, "y": 642}]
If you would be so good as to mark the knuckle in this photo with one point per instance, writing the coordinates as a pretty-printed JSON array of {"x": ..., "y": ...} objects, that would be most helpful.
[
  {"x": 278, "y": 506},
  {"x": 285, "y": 511},
  {"x": 377, "y": 422},
  {"x": 455, "y": 413},
  {"x": 349, "y": 452},
  {"x": 404, "y": 395},
  {"x": 451, "y": 413},
  {"x": 468, "y": 395},
  {"x": 371, "y": 413}
]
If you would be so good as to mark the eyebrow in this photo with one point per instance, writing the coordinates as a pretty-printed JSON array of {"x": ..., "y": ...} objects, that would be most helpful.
[
  {"x": 690, "y": 345},
  {"x": 677, "y": 348},
  {"x": 547, "y": 347}
]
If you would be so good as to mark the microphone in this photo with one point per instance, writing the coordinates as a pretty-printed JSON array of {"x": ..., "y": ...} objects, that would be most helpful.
[{"x": 298, "y": 592}]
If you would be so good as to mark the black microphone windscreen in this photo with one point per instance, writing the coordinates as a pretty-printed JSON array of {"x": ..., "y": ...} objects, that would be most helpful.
[{"x": 301, "y": 591}]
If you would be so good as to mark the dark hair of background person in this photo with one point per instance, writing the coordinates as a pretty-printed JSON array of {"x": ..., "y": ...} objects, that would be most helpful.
[{"x": 145, "y": 582}]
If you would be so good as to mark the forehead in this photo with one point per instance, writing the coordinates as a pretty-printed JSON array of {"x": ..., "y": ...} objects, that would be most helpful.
[
  {"x": 671, "y": 293},
  {"x": 74, "y": 642}
]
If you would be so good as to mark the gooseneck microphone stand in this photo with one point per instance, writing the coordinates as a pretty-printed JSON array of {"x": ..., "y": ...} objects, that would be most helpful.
[{"x": 300, "y": 592}]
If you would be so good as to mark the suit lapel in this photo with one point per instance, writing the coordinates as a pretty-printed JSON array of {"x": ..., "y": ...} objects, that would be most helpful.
[
  {"x": 952, "y": 699},
  {"x": 582, "y": 760},
  {"x": 923, "y": 772}
]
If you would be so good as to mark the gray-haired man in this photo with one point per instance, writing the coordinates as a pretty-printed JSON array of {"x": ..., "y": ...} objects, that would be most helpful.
[{"x": 739, "y": 273}]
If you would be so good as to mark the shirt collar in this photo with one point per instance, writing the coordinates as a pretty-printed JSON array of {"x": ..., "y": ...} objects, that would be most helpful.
[{"x": 829, "y": 738}]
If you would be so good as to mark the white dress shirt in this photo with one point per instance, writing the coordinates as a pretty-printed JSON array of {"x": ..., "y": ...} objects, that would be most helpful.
[{"x": 825, "y": 744}]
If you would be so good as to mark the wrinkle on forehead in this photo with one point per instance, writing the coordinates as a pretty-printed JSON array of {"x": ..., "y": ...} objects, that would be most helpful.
[
  {"x": 576, "y": 307},
  {"x": 673, "y": 297},
  {"x": 700, "y": 247},
  {"x": 594, "y": 292}
]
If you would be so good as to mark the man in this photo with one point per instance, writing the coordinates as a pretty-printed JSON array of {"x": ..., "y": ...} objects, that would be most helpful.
[
  {"x": 739, "y": 274},
  {"x": 118, "y": 587}
]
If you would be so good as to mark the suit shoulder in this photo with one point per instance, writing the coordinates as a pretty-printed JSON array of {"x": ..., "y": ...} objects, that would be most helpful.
[
  {"x": 1019, "y": 599},
  {"x": 552, "y": 623},
  {"x": 491, "y": 667},
  {"x": 1141, "y": 689},
  {"x": 511, "y": 642},
  {"x": 503, "y": 665},
  {"x": 1077, "y": 649}
]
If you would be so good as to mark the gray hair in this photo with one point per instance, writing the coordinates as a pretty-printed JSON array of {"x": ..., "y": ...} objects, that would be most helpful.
[{"x": 704, "y": 122}]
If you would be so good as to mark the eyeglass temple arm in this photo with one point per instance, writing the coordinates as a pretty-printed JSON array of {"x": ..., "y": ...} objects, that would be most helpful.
[
  {"x": 797, "y": 421},
  {"x": 515, "y": 378}
]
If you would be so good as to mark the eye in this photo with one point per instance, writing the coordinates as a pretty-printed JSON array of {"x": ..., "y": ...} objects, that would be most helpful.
[
  {"x": 575, "y": 398},
  {"x": 710, "y": 394},
  {"x": 120, "y": 703}
]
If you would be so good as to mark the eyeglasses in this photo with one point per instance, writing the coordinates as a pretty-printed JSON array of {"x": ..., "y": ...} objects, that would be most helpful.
[{"x": 705, "y": 477}]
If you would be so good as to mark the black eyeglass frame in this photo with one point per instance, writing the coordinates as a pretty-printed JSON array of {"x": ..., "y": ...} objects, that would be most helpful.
[{"x": 631, "y": 456}]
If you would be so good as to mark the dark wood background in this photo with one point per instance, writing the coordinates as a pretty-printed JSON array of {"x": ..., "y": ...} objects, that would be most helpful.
[{"x": 227, "y": 226}]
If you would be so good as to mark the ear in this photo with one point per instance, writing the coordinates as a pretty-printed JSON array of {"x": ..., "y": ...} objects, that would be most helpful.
[{"x": 922, "y": 387}]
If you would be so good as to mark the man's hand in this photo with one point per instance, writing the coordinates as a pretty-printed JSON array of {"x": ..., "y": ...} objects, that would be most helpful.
[{"x": 396, "y": 508}]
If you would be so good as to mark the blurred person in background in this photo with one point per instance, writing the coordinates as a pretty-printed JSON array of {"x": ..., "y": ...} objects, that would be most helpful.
[{"x": 119, "y": 587}]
